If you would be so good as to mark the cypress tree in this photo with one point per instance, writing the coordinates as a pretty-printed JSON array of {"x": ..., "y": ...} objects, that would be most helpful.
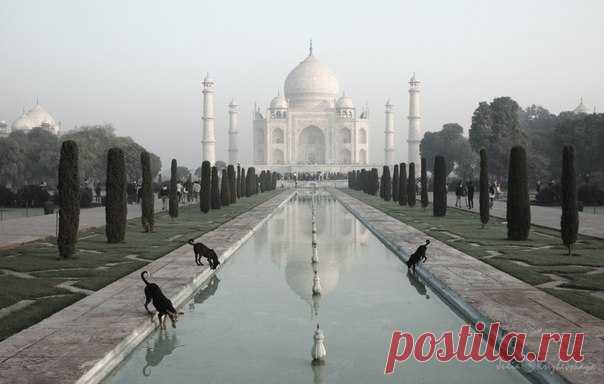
[
  {"x": 387, "y": 183},
  {"x": 243, "y": 183},
  {"x": 116, "y": 205},
  {"x": 483, "y": 198},
  {"x": 382, "y": 184},
  {"x": 69, "y": 199},
  {"x": 424, "y": 183},
  {"x": 238, "y": 181},
  {"x": 215, "y": 200},
  {"x": 205, "y": 196},
  {"x": 364, "y": 181},
  {"x": 232, "y": 184},
  {"x": 225, "y": 189},
  {"x": 173, "y": 201},
  {"x": 148, "y": 202},
  {"x": 569, "y": 222},
  {"x": 439, "y": 207},
  {"x": 373, "y": 184},
  {"x": 518, "y": 205},
  {"x": 395, "y": 183},
  {"x": 402, "y": 185},
  {"x": 411, "y": 185},
  {"x": 251, "y": 186}
]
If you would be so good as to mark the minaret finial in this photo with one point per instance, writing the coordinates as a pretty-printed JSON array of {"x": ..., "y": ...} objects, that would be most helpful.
[{"x": 310, "y": 49}]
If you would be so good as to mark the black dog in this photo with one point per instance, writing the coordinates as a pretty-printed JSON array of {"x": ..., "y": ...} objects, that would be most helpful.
[
  {"x": 162, "y": 304},
  {"x": 417, "y": 256},
  {"x": 202, "y": 251}
]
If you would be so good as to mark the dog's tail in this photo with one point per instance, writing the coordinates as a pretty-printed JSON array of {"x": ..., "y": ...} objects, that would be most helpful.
[
  {"x": 143, "y": 273},
  {"x": 191, "y": 241}
]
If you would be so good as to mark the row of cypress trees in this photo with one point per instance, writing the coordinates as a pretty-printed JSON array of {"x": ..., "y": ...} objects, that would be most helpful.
[
  {"x": 401, "y": 188},
  {"x": 233, "y": 186}
]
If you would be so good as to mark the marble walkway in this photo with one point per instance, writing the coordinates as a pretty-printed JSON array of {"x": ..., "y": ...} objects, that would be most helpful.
[
  {"x": 85, "y": 341},
  {"x": 15, "y": 232},
  {"x": 482, "y": 292}
]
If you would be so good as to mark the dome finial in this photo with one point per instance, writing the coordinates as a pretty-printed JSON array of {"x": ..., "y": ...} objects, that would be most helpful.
[{"x": 310, "y": 48}]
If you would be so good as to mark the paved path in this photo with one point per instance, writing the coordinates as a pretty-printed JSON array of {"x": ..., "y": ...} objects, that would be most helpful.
[
  {"x": 85, "y": 341},
  {"x": 482, "y": 292},
  {"x": 589, "y": 224},
  {"x": 15, "y": 232}
]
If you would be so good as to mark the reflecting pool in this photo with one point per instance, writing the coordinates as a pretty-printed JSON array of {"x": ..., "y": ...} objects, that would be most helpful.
[{"x": 254, "y": 321}]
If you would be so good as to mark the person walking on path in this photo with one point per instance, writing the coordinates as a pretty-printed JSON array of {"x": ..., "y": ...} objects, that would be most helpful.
[
  {"x": 458, "y": 193},
  {"x": 163, "y": 195},
  {"x": 196, "y": 190},
  {"x": 470, "y": 185},
  {"x": 491, "y": 195}
]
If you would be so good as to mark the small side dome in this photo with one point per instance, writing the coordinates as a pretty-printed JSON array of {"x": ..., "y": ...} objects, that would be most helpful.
[
  {"x": 344, "y": 102},
  {"x": 279, "y": 102}
]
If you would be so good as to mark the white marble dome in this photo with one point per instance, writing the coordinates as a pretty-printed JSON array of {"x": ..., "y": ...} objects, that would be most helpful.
[
  {"x": 22, "y": 123},
  {"x": 345, "y": 102},
  {"x": 279, "y": 102},
  {"x": 581, "y": 108},
  {"x": 310, "y": 78},
  {"x": 39, "y": 116},
  {"x": 36, "y": 117}
]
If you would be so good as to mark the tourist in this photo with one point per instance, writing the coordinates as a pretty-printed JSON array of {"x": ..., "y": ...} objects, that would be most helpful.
[
  {"x": 163, "y": 195},
  {"x": 178, "y": 192},
  {"x": 470, "y": 185},
  {"x": 458, "y": 193},
  {"x": 97, "y": 192},
  {"x": 196, "y": 190},
  {"x": 491, "y": 195}
]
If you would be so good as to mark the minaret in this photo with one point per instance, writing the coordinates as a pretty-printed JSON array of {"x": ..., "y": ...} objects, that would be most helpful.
[
  {"x": 415, "y": 129},
  {"x": 389, "y": 135},
  {"x": 208, "y": 142},
  {"x": 233, "y": 120}
]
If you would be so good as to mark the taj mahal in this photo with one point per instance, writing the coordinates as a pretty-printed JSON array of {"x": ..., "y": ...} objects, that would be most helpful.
[{"x": 311, "y": 125}]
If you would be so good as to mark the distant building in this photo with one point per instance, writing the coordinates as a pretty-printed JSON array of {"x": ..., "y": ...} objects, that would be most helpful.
[
  {"x": 581, "y": 108},
  {"x": 34, "y": 118},
  {"x": 4, "y": 131}
]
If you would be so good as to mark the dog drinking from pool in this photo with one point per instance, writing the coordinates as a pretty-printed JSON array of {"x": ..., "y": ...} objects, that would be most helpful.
[{"x": 162, "y": 304}]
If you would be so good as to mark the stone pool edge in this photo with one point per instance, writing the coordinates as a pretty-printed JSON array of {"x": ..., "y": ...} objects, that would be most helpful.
[
  {"x": 105, "y": 366},
  {"x": 534, "y": 372}
]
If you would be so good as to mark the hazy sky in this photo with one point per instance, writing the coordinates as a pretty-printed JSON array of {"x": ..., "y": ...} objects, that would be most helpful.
[{"x": 139, "y": 64}]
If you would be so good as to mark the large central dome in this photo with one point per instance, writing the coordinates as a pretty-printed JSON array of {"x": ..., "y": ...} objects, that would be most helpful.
[{"x": 311, "y": 80}]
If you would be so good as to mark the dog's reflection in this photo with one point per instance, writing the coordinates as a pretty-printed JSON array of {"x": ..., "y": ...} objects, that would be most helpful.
[
  {"x": 417, "y": 283},
  {"x": 205, "y": 293},
  {"x": 163, "y": 346}
]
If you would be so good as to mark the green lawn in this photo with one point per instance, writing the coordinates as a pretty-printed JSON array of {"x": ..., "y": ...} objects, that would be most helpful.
[
  {"x": 540, "y": 259},
  {"x": 97, "y": 263}
]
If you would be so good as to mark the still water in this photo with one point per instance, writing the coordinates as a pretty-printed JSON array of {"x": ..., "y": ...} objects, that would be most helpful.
[{"x": 254, "y": 321}]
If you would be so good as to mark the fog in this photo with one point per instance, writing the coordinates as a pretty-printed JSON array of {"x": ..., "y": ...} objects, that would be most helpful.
[{"x": 139, "y": 64}]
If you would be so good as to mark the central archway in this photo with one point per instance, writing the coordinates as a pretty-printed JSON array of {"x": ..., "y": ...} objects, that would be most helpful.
[{"x": 311, "y": 146}]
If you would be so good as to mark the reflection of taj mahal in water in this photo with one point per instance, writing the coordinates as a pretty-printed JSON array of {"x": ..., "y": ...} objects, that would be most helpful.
[
  {"x": 293, "y": 257},
  {"x": 309, "y": 124}
]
